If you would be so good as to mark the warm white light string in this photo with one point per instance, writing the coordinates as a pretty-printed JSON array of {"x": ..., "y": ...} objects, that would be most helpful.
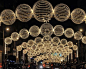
[
  {"x": 34, "y": 31},
  {"x": 24, "y": 13}
]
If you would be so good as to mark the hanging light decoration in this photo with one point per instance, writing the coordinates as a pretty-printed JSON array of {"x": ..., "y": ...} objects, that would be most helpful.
[
  {"x": 38, "y": 40},
  {"x": 78, "y": 35},
  {"x": 70, "y": 44},
  {"x": 61, "y": 46},
  {"x": 78, "y": 15},
  {"x": 8, "y": 17},
  {"x": 24, "y": 51},
  {"x": 24, "y": 34},
  {"x": 24, "y": 45},
  {"x": 69, "y": 33},
  {"x": 75, "y": 47},
  {"x": 34, "y": 31},
  {"x": 23, "y": 12},
  {"x": 61, "y": 12},
  {"x": 30, "y": 42},
  {"x": 8, "y": 40},
  {"x": 33, "y": 47},
  {"x": 64, "y": 42},
  {"x": 43, "y": 10},
  {"x": 70, "y": 51},
  {"x": 56, "y": 40},
  {"x": 58, "y": 30},
  {"x": 15, "y": 36},
  {"x": 47, "y": 39},
  {"x": 84, "y": 40},
  {"x": 19, "y": 48},
  {"x": 46, "y": 29}
]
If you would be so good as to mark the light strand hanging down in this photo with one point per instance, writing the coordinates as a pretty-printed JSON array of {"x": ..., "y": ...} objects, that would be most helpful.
[{"x": 42, "y": 11}]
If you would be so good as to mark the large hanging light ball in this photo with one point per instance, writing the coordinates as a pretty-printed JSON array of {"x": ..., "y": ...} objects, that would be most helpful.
[
  {"x": 30, "y": 42},
  {"x": 19, "y": 48},
  {"x": 8, "y": 17},
  {"x": 61, "y": 12},
  {"x": 23, "y": 12},
  {"x": 84, "y": 40},
  {"x": 24, "y": 34},
  {"x": 24, "y": 45},
  {"x": 42, "y": 10},
  {"x": 70, "y": 44},
  {"x": 46, "y": 29},
  {"x": 34, "y": 31},
  {"x": 78, "y": 35},
  {"x": 75, "y": 47},
  {"x": 56, "y": 40},
  {"x": 64, "y": 42},
  {"x": 8, "y": 40},
  {"x": 69, "y": 32},
  {"x": 58, "y": 30},
  {"x": 78, "y": 15},
  {"x": 38, "y": 40},
  {"x": 15, "y": 36}
]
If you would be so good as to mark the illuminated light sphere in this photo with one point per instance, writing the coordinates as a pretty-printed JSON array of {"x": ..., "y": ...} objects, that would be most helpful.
[
  {"x": 69, "y": 32},
  {"x": 58, "y": 30},
  {"x": 84, "y": 40},
  {"x": 24, "y": 51},
  {"x": 23, "y": 12},
  {"x": 24, "y": 34},
  {"x": 78, "y": 15},
  {"x": 30, "y": 42},
  {"x": 66, "y": 48},
  {"x": 33, "y": 47},
  {"x": 28, "y": 49},
  {"x": 38, "y": 40},
  {"x": 43, "y": 10},
  {"x": 61, "y": 12},
  {"x": 56, "y": 40},
  {"x": 24, "y": 45},
  {"x": 8, "y": 40},
  {"x": 70, "y": 44},
  {"x": 40, "y": 45},
  {"x": 64, "y": 42},
  {"x": 34, "y": 31},
  {"x": 78, "y": 35},
  {"x": 15, "y": 36},
  {"x": 46, "y": 29},
  {"x": 70, "y": 51},
  {"x": 75, "y": 47},
  {"x": 60, "y": 50},
  {"x": 8, "y": 17},
  {"x": 19, "y": 48},
  {"x": 47, "y": 39},
  {"x": 61, "y": 46}
]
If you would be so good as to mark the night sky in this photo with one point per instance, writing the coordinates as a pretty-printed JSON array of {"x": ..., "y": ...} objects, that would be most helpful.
[{"x": 17, "y": 26}]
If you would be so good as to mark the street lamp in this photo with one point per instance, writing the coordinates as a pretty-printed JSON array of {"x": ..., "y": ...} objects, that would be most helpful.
[
  {"x": 7, "y": 29},
  {"x": 4, "y": 45},
  {"x": 81, "y": 30}
]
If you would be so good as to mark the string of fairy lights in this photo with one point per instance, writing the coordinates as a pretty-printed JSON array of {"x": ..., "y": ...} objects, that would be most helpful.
[
  {"x": 42, "y": 11},
  {"x": 45, "y": 29},
  {"x": 47, "y": 48}
]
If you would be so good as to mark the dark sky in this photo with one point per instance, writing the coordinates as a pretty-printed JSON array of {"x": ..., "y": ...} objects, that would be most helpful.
[{"x": 17, "y": 26}]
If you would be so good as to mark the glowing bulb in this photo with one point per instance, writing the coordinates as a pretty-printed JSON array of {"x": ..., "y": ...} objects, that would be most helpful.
[
  {"x": 81, "y": 30},
  {"x": 7, "y": 29}
]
